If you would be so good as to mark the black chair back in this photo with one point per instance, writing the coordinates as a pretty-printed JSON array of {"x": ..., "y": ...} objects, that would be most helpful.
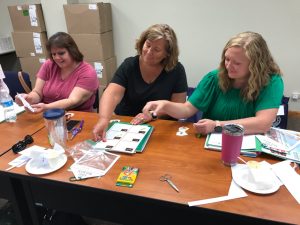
[{"x": 14, "y": 84}]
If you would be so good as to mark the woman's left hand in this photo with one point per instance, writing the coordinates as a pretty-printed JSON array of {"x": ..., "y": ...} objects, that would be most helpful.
[
  {"x": 204, "y": 126},
  {"x": 141, "y": 118}
]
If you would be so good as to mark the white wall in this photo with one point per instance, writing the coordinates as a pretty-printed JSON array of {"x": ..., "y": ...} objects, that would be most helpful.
[{"x": 203, "y": 27}]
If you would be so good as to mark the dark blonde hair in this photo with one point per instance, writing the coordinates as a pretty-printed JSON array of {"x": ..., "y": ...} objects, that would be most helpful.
[
  {"x": 261, "y": 66},
  {"x": 164, "y": 31},
  {"x": 64, "y": 40}
]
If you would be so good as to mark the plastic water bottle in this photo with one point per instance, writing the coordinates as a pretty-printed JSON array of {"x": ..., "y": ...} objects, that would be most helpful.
[{"x": 7, "y": 103}]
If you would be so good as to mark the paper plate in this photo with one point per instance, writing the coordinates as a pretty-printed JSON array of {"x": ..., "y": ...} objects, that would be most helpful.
[
  {"x": 38, "y": 168},
  {"x": 240, "y": 176}
]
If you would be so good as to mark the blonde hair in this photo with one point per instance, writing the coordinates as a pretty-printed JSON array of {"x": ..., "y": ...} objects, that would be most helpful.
[
  {"x": 159, "y": 31},
  {"x": 261, "y": 66}
]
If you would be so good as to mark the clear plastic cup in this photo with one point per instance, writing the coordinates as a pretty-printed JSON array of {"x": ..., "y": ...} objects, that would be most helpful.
[{"x": 56, "y": 125}]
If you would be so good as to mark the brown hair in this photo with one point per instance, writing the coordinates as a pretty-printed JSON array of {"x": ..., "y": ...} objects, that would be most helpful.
[
  {"x": 261, "y": 66},
  {"x": 64, "y": 40},
  {"x": 164, "y": 31}
]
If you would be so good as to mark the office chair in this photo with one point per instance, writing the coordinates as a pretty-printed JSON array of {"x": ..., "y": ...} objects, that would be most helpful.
[
  {"x": 96, "y": 103},
  {"x": 17, "y": 82},
  {"x": 196, "y": 117},
  {"x": 281, "y": 121}
]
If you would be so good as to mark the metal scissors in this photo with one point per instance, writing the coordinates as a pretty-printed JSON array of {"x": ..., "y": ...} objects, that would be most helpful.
[
  {"x": 73, "y": 178},
  {"x": 168, "y": 178}
]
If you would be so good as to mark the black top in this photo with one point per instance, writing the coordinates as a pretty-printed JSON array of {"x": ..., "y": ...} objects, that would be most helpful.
[{"x": 138, "y": 92}]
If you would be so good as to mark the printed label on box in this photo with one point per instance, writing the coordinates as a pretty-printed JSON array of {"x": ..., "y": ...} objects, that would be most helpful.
[
  {"x": 33, "y": 17},
  {"x": 93, "y": 7},
  {"x": 99, "y": 69}
]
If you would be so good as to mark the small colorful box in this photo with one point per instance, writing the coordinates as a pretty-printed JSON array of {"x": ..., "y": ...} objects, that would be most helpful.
[{"x": 127, "y": 177}]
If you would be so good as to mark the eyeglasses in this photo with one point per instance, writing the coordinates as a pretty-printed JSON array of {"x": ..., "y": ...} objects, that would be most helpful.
[{"x": 21, "y": 145}]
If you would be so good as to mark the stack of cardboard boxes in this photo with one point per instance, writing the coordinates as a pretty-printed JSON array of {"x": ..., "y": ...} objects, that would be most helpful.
[
  {"x": 90, "y": 25},
  {"x": 29, "y": 37}
]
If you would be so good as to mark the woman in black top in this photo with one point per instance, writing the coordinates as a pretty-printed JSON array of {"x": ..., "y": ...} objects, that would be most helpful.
[{"x": 154, "y": 74}]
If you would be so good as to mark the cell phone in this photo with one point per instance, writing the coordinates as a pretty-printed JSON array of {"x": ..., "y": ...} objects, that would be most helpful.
[{"x": 71, "y": 124}]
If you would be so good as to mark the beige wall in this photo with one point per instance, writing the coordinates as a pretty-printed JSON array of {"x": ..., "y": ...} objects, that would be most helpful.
[{"x": 202, "y": 27}]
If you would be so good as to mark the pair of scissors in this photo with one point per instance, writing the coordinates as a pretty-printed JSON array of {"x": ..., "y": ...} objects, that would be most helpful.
[
  {"x": 168, "y": 178},
  {"x": 73, "y": 178},
  {"x": 76, "y": 130}
]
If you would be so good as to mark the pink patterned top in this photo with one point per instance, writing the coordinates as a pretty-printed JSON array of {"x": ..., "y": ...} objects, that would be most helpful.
[{"x": 84, "y": 76}]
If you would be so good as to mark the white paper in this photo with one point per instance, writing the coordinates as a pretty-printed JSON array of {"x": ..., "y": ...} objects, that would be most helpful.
[
  {"x": 18, "y": 162},
  {"x": 99, "y": 69},
  {"x": 93, "y": 7},
  {"x": 288, "y": 177},
  {"x": 32, "y": 15},
  {"x": 27, "y": 151},
  {"x": 248, "y": 141},
  {"x": 37, "y": 45},
  {"x": 280, "y": 111},
  {"x": 234, "y": 192}
]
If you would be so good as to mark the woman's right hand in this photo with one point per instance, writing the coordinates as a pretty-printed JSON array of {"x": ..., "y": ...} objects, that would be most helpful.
[
  {"x": 18, "y": 100},
  {"x": 99, "y": 130},
  {"x": 156, "y": 107}
]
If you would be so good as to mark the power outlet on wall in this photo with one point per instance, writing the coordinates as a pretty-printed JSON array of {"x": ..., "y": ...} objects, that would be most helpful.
[{"x": 295, "y": 95}]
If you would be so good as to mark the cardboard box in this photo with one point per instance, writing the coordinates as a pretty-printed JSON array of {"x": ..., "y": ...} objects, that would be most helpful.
[
  {"x": 88, "y": 18},
  {"x": 31, "y": 65},
  {"x": 27, "y": 18},
  {"x": 95, "y": 46},
  {"x": 105, "y": 69},
  {"x": 30, "y": 43}
]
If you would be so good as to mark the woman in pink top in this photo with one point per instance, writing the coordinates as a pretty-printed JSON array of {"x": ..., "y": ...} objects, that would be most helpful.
[{"x": 64, "y": 81}]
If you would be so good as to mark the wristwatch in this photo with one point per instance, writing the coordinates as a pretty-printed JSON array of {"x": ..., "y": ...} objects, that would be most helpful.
[{"x": 218, "y": 127}]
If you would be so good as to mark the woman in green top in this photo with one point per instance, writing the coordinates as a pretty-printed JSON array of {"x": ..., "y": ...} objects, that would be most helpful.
[{"x": 246, "y": 89}]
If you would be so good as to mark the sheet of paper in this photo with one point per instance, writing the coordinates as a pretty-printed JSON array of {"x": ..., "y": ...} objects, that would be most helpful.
[
  {"x": 288, "y": 177},
  {"x": 27, "y": 152},
  {"x": 18, "y": 162},
  {"x": 280, "y": 111},
  {"x": 234, "y": 192},
  {"x": 248, "y": 141}
]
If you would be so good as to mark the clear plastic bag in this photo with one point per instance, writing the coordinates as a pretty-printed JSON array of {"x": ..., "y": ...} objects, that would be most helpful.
[
  {"x": 79, "y": 149},
  {"x": 89, "y": 161}
]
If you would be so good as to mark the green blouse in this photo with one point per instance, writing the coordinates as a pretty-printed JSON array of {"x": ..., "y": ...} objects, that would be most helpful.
[{"x": 216, "y": 105}]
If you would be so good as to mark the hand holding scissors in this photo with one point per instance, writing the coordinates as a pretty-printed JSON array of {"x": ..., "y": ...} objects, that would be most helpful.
[{"x": 168, "y": 178}]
